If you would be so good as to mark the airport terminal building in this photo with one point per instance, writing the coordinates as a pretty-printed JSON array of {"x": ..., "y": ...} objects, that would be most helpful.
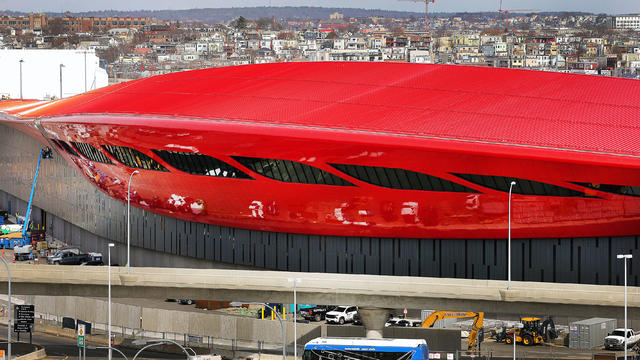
[{"x": 389, "y": 169}]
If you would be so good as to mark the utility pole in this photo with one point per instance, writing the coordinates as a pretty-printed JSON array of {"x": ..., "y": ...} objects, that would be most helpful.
[
  {"x": 85, "y": 70},
  {"x": 61, "y": 66},
  {"x": 21, "y": 61}
]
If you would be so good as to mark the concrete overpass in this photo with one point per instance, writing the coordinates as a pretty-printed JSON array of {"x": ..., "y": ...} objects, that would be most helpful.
[{"x": 367, "y": 291}]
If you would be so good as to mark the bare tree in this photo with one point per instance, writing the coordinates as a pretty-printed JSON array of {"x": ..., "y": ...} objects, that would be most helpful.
[{"x": 55, "y": 26}]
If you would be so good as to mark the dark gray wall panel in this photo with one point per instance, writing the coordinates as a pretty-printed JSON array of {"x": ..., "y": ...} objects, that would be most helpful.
[
  {"x": 316, "y": 249},
  {"x": 371, "y": 261},
  {"x": 387, "y": 256}
]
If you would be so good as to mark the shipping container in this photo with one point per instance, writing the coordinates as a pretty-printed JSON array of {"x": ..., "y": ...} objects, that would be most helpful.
[{"x": 590, "y": 333}]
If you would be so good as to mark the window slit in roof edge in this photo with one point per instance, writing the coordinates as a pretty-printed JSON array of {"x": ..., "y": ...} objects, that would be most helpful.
[
  {"x": 91, "y": 152},
  {"x": 393, "y": 179},
  {"x": 624, "y": 190},
  {"x": 133, "y": 158},
  {"x": 286, "y": 171},
  {"x": 522, "y": 186},
  {"x": 200, "y": 164}
]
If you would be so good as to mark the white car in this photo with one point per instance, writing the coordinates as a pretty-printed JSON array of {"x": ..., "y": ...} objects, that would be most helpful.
[{"x": 341, "y": 314}]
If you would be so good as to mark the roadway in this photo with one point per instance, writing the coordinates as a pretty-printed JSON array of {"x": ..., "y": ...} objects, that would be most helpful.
[
  {"x": 60, "y": 347},
  {"x": 367, "y": 291}
]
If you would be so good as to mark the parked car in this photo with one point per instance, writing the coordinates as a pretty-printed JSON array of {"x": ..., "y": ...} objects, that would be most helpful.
[
  {"x": 615, "y": 340},
  {"x": 95, "y": 259},
  {"x": 357, "y": 320},
  {"x": 403, "y": 323},
  {"x": 186, "y": 301},
  {"x": 69, "y": 258},
  {"x": 391, "y": 322},
  {"x": 341, "y": 314},
  {"x": 58, "y": 254},
  {"x": 316, "y": 313}
]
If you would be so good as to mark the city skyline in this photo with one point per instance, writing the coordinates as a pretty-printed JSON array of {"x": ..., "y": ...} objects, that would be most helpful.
[{"x": 610, "y": 7}]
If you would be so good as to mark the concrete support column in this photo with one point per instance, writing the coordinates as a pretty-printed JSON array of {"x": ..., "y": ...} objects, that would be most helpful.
[{"x": 374, "y": 320}]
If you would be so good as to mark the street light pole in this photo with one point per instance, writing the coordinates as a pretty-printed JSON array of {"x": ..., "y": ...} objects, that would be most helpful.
[
  {"x": 109, "y": 301},
  {"x": 129, "y": 220},
  {"x": 295, "y": 313},
  {"x": 514, "y": 341},
  {"x": 509, "y": 250},
  {"x": 61, "y": 66},
  {"x": 626, "y": 338},
  {"x": 85, "y": 70},
  {"x": 10, "y": 310},
  {"x": 21, "y": 61}
]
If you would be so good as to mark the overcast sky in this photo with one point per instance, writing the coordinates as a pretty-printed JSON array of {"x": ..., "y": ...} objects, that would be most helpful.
[{"x": 596, "y": 6}]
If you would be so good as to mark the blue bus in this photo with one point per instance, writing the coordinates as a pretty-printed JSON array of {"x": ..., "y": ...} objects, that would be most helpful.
[{"x": 365, "y": 349}]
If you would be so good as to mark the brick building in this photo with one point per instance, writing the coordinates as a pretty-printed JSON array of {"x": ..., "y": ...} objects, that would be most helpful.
[{"x": 76, "y": 24}]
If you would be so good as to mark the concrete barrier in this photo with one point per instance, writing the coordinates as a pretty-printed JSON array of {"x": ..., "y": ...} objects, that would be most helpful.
[
  {"x": 36, "y": 355},
  {"x": 447, "y": 340},
  {"x": 222, "y": 326},
  {"x": 345, "y": 331},
  {"x": 172, "y": 321}
]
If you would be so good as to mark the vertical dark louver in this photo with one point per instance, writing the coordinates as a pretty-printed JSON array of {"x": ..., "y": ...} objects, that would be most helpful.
[
  {"x": 291, "y": 171},
  {"x": 522, "y": 186},
  {"x": 400, "y": 179},
  {"x": 133, "y": 158},
  {"x": 91, "y": 153},
  {"x": 200, "y": 164}
]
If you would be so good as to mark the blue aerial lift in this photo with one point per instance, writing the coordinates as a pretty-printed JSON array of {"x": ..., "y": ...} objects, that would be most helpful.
[{"x": 12, "y": 241}]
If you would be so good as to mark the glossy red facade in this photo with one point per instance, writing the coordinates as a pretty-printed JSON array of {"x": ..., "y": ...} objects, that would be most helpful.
[{"x": 571, "y": 143}]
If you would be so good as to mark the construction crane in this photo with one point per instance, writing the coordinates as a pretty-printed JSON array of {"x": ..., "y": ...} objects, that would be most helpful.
[
  {"x": 426, "y": 17},
  {"x": 506, "y": 13}
]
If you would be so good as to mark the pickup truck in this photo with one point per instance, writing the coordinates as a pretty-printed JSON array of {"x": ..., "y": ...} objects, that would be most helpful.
[
  {"x": 69, "y": 258},
  {"x": 316, "y": 313},
  {"x": 74, "y": 257},
  {"x": 615, "y": 340},
  {"x": 341, "y": 314}
]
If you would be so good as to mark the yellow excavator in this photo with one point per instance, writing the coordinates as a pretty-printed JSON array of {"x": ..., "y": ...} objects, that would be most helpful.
[{"x": 476, "y": 328}]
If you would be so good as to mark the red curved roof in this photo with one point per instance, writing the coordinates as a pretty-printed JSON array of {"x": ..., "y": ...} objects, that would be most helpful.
[{"x": 506, "y": 106}]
